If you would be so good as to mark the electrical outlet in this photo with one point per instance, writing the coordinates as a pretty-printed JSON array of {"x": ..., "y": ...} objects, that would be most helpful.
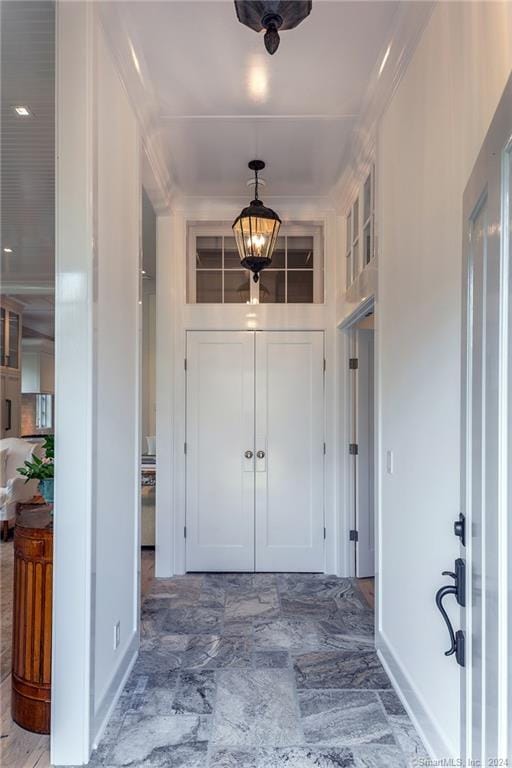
[
  {"x": 117, "y": 635},
  {"x": 390, "y": 462}
]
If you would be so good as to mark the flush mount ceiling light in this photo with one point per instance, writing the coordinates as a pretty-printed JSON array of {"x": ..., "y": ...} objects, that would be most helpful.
[
  {"x": 7, "y": 250},
  {"x": 256, "y": 229},
  {"x": 272, "y": 16},
  {"x": 22, "y": 111}
]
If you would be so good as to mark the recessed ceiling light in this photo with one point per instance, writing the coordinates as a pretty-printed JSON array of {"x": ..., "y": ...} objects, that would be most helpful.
[
  {"x": 22, "y": 111},
  {"x": 143, "y": 271},
  {"x": 7, "y": 250}
]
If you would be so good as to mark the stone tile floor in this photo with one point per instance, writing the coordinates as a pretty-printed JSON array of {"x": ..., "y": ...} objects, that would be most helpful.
[{"x": 258, "y": 671}]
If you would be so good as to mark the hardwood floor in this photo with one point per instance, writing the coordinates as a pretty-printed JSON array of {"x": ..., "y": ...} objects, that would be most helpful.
[
  {"x": 367, "y": 587},
  {"x": 20, "y": 748}
]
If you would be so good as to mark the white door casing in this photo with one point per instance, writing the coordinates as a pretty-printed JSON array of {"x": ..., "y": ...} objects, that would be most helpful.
[
  {"x": 486, "y": 431},
  {"x": 290, "y": 431},
  {"x": 364, "y": 461},
  {"x": 257, "y": 392},
  {"x": 220, "y": 429}
]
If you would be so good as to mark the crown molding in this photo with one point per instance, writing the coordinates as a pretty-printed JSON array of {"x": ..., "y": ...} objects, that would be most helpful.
[{"x": 410, "y": 20}]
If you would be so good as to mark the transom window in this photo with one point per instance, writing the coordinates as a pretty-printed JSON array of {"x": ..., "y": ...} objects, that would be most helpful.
[
  {"x": 360, "y": 250},
  {"x": 216, "y": 277}
]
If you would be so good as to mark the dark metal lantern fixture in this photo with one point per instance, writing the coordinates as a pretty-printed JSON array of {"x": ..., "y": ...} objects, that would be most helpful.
[
  {"x": 272, "y": 15},
  {"x": 256, "y": 229}
]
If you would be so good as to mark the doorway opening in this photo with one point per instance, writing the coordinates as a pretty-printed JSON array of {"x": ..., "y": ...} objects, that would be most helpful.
[{"x": 361, "y": 453}]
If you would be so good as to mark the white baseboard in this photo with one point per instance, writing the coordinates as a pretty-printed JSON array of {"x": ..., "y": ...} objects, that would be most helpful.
[
  {"x": 114, "y": 691},
  {"x": 433, "y": 740}
]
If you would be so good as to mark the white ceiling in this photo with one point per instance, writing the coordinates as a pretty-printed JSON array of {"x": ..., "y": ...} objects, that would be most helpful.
[
  {"x": 28, "y": 159},
  {"x": 215, "y": 99}
]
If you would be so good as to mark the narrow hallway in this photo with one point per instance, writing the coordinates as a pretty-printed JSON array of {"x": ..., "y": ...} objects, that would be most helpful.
[{"x": 258, "y": 671}]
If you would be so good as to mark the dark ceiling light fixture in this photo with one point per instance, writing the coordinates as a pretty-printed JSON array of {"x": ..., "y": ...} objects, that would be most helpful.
[
  {"x": 272, "y": 16},
  {"x": 256, "y": 229}
]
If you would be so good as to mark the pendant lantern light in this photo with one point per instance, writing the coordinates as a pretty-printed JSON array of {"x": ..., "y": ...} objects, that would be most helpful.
[
  {"x": 256, "y": 229},
  {"x": 273, "y": 16}
]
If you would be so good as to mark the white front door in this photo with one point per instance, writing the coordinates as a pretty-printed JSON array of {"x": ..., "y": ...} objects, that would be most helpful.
[
  {"x": 289, "y": 451},
  {"x": 255, "y": 425},
  {"x": 486, "y": 434},
  {"x": 220, "y": 431}
]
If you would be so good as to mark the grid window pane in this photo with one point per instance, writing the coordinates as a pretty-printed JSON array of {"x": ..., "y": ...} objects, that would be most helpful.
[
  {"x": 367, "y": 207},
  {"x": 209, "y": 253},
  {"x": 272, "y": 287},
  {"x": 14, "y": 322},
  {"x": 300, "y": 287},
  {"x": 355, "y": 233},
  {"x": 231, "y": 255},
  {"x": 367, "y": 239},
  {"x": 300, "y": 252},
  {"x": 2, "y": 336},
  {"x": 279, "y": 254},
  {"x": 355, "y": 260},
  {"x": 236, "y": 287},
  {"x": 349, "y": 231},
  {"x": 208, "y": 287},
  {"x": 349, "y": 269}
]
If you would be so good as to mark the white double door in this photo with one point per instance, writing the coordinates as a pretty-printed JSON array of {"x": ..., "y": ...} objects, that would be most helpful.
[{"x": 255, "y": 451}]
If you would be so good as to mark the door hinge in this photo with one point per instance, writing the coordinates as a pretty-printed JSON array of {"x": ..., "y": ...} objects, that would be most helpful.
[
  {"x": 325, "y": 365},
  {"x": 325, "y": 532},
  {"x": 184, "y": 531},
  {"x": 184, "y": 448},
  {"x": 325, "y": 449},
  {"x": 354, "y": 535},
  {"x": 353, "y": 363},
  {"x": 185, "y": 363},
  {"x": 353, "y": 449}
]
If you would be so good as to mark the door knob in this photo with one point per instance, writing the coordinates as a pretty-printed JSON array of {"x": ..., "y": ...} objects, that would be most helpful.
[
  {"x": 261, "y": 454},
  {"x": 248, "y": 454}
]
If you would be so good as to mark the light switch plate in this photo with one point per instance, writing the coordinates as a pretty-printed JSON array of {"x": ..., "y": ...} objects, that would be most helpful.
[{"x": 390, "y": 462}]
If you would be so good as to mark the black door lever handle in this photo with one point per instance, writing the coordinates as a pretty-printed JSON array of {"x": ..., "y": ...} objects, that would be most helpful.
[{"x": 449, "y": 589}]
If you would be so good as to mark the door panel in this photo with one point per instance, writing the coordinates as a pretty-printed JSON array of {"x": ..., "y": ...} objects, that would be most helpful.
[
  {"x": 220, "y": 429},
  {"x": 290, "y": 432},
  {"x": 486, "y": 337},
  {"x": 365, "y": 546}
]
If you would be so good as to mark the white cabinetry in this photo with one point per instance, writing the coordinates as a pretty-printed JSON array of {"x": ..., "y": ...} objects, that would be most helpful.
[
  {"x": 10, "y": 390},
  {"x": 37, "y": 370}
]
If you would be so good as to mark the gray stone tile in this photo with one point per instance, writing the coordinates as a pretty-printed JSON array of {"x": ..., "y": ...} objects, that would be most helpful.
[
  {"x": 306, "y": 757},
  {"x": 343, "y": 718},
  {"x": 157, "y": 660},
  {"x": 250, "y": 604},
  {"x": 381, "y": 756},
  {"x": 153, "y": 694},
  {"x": 256, "y": 707},
  {"x": 198, "y": 620},
  {"x": 289, "y": 634},
  {"x": 224, "y": 757},
  {"x": 163, "y": 643},
  {"x": 351, "y": 623},
  {"x": 271, "y": 659},
  {"x": 142, "y": 739},
  {"x": 195, "y": 693},
  {"x": 305, "y": 605},
  {"x": 178, "y": 756},
  {"x": 217, "y": 652},
  {"x": 358, "y": 667},
  {"x": 392, "y": 703},
  {"x": 238, "y": 628},
  {"x": 408, "y": 738}
]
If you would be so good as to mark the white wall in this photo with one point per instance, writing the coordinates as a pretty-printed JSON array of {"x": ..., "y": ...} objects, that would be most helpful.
[
  {"x": 428, "y": 141},
  {"x": 175, "y": 317},
  {"x": 97, "y": 385}
]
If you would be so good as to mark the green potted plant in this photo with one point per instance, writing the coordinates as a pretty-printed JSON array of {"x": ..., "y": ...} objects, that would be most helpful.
[{"x": 42, "y": 469}]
